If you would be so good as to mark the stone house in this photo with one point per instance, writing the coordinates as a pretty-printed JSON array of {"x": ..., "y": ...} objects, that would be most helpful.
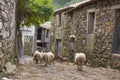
[
  {"x": 34, "y": 37},
  {"x": 7, "y": 32},
  {"x": 95, "y": 25},
  {"x": 58, "y": 30},
  {"x": 43, "y": 37},
  {"x": 28, "y": 39}
]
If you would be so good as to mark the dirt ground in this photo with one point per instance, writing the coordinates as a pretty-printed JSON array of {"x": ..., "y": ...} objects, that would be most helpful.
[{"x": 63, "y": 71}]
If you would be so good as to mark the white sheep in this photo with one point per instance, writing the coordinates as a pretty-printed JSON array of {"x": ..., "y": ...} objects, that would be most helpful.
[
  {"x": 52, "y": 57},
  {"x": 37, "y": 56},
  {"x": 80, "y": 59},
  {"x": 48, "y": 58}
]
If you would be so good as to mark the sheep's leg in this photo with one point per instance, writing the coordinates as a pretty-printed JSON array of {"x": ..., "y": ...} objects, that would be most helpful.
[
  {"x": 81, "y": 67},
  {"x": 78, "y": 67},
  {"x": 52, "y": 61},
  {"x": 61, "y": 61},
  {"x": 36, "y": 61},
  {"x": 46, "y": 63},
  {"x": 40, "y": 60}
]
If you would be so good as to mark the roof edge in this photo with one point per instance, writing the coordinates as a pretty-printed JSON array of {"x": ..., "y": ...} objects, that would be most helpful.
[
  {"x": 63, "y": 9},
  {"x": 80, "y": 5}
]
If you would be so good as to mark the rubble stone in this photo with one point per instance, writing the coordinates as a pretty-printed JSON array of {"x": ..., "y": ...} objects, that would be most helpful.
[
  {"x": 10, "y": 68},
  {"x": 7, "y": 34}
]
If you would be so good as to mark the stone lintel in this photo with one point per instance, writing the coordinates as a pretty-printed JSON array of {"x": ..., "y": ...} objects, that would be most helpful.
[
  {"x": 115, "y": 6},
  {"x": 92, "y": 10}
]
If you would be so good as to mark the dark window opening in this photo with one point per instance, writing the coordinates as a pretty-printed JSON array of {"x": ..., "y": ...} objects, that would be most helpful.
[
  {"x": 58, "y": 19},
  {"x": 58, "y": 46},
  {"x": 41, "y": 46},
  {"x": 0, "y": 24},
  {"x": 0, "y": 28},
  {"x": 91, "y": 18},
  {"x": 47, "y": 34},
  {"x": 39, "y": 34}
]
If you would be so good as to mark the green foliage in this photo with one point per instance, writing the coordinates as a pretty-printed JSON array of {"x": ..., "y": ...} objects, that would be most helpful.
[
  {"x": 60, "y": 3},
  {"x": 33, "y": 12},
  {"x": 30, "y": 12},
  {"x": 63, "y": 3},
  {"x": 72, "y": 2}
]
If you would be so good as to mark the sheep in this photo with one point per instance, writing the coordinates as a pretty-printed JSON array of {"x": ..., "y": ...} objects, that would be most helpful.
[
  {"x": 52, "y": 57},
  {"x": 48, "y": 58},
  {"x": 37, "y": 56},
  {"x": 80, "y": 59}
]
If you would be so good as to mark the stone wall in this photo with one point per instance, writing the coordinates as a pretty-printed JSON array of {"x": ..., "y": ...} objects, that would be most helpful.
[
  {"x": 56, "y": 33},
  {"x": 7, "y": 14},
  {"x": 76, "y": 23},
  {"x": 28, "y": 46}
]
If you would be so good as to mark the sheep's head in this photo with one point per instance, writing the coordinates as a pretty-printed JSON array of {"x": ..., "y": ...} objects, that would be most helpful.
[
  {"x": 72, "y": 38},
  {"x": 76, "y": 54}
]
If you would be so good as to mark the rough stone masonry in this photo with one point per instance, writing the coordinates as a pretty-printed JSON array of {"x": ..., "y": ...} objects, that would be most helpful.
[{"x": 7, "y": 32}]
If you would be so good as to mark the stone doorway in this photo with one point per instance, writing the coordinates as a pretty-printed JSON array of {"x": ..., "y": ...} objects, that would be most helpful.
[
  {"x": 90, "y": 31},
  {"x": 58, "y": 46},
  {"x": 116, "y": 37}
]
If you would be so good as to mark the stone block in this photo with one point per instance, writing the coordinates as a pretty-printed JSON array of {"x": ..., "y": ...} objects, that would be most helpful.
[
  {"x": 1, "y": 55},
  {"x": 5, "y": 78},
  {"x": 10, "y": 67},
  {"x": 5, "y": 34},
  {"x": 2, "y": 2},
  {"x": 90, "y": 42},
  {"x": 0, "y": 44},
  {"x": 2, "y": 7}
]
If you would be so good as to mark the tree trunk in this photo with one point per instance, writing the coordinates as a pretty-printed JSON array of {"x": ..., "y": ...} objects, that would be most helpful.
[
  {"x": 18, "y": 41},
  {"x": 20, "y": 48}
]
